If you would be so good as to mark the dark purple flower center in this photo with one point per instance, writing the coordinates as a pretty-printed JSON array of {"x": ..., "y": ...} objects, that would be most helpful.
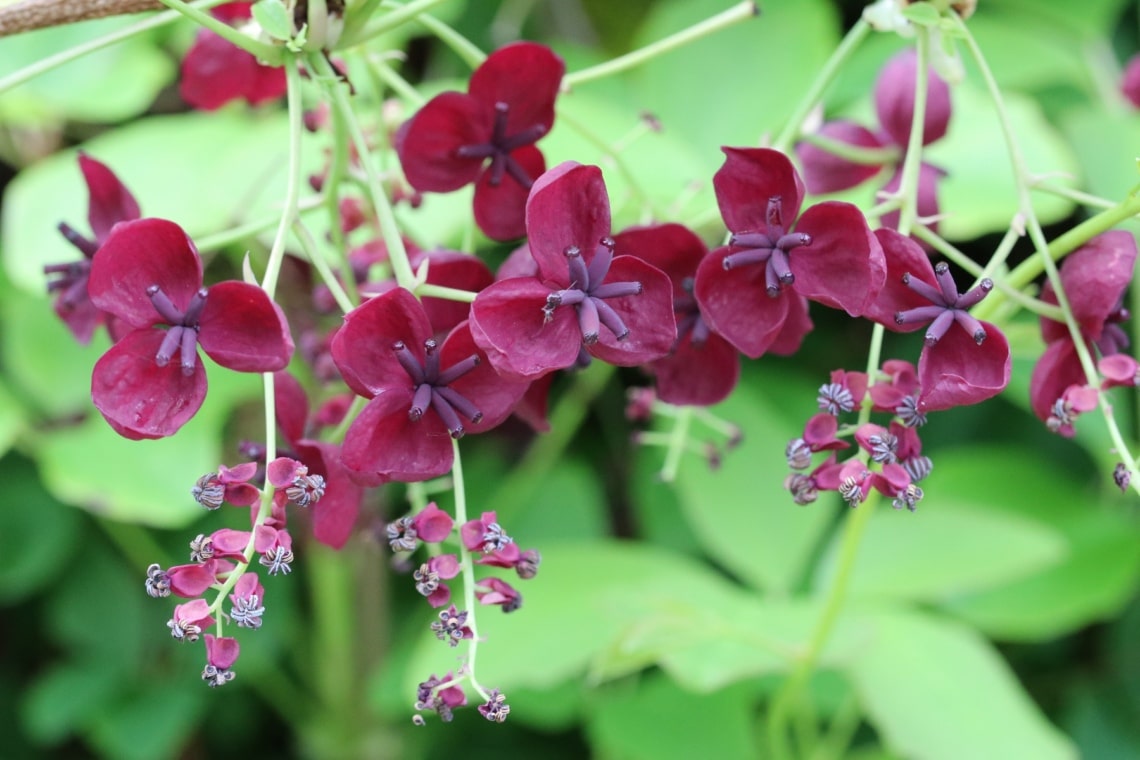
[
  {"x": 1113, "y": 339},
  {"x": 689, "y": 320},
  {"x": 946, "y": 307},
  {"x": 71, "y": 278},
  {"x": 501, "y": 145},
  {"x": 431, "y": 386},
  {"x": 183, "y": 333},
  {"x": 588, "y": 292},
  {"x": 770, "y": 248}
]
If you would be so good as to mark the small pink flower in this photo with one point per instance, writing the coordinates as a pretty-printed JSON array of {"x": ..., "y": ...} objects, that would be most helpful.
[
  {"x": 221, "y": 653},
  {"x": 496, "y": 591},
  {"x": 432, "y": 524},
  {"x": 189, "y": 620}
]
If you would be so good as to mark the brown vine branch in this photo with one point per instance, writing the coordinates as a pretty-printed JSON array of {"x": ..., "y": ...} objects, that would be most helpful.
[{"x": 40, "y": 14}]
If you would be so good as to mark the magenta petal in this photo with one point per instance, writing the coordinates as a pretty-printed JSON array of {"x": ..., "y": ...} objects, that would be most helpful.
[
  {"x": 427, "y": 144},
  {"x": 215, "y": 71},
  {"x": 189, "y": 581},
  {"x": 526, "y": 76},
  {"x": 137, "y": 255},
  {"x": 1130, "y": 82},
  {"x": 956, "y": 371},
  {"x": 81, "y": 319},
  {"x": 452, "y": 269},
  {"x": 1056, "y": 369},
  {"x": 825, "y": 172},
  {"x": 844, "y": 266},
  {"x": 649, "y": 315},
  {"x": 432, "y": 524},
  {"x": 334, "y": 516},
  {"x": 508, "y": 323},
  {"x": 500, "y": 210},
  {"x": 363, "y": 347},
  {"x": 492, "y": 394},
  {"x": 735, "y": 303},
  {"x": 746, "y": 181},
  {"x": 697, "y": 375},
  {"x": 242, "y": 330},
  {"x": 928, "y": 178},
  {"x": 221, "y": 652},
  {"x": 797, "y": 324},
  {"x": 139, "y": 398},
  {"x": 110, "y": 201},
  {"x": 267, "y": 83},
  {"x": 568, "y": 206},
  {"x": 894, "y": 99},
  {"x": 903, "y": 256},
  {"x": 383, "y": 444},
  {"x": 673, "y": 248},
  {"x": 1095, "y": 278},
  {"x": 291, "y": 404}
]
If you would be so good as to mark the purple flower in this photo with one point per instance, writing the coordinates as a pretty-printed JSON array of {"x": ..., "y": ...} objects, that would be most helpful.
[
  {"x": 189, "y": 620},
  {"x": 248, "y": 598},
  {"x": 583, "y": 301},
  {"x": 215, "y": 71},
  {"x": 487, "y": 136},
  {"x": 150, "y": 383},
  {"x": 430, "y": 697},
  {"x": 429, "y": 577},
  {"x": 421, "y": 393},
  {"x": 452, "y": 626},
  {"x": 109, "y": 202},
  {"x": 432, "y": 524},
  {"x": 497, "y": 591},
  {"x": 751, "y": 291},
  {"x": 221, "y": 653},
  {"x": 702, "y": 369}
]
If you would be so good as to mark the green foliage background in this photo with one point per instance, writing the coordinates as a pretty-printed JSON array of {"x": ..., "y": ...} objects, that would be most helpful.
[{"x": 1000, "y": 620}]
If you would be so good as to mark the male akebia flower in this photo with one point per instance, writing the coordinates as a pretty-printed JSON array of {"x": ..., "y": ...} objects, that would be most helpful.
[
  {"x": 452, "y": 626},
  {"x": 421, "y": 393},
  {"x": 215, "y": 71},
  {"x": 109, "y": 202},
  {"x": 248, "y": 598},
  {"x": 429, "y": 696},
  {"x": 584, "y": 301},
  {"x": 189, "y": 620},
  {"x": 151, "y": 382},
  {"x": 753, "y": 290},
  {"x": 487, "y": 135},
  {"x": 221, "y": 654}
]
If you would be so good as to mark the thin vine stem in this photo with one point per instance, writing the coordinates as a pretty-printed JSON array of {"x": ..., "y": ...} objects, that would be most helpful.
[
  {"x": 465, "y": 561},
  {"x": 270, "y": 54},
  {"x": 293, "y": 179}
]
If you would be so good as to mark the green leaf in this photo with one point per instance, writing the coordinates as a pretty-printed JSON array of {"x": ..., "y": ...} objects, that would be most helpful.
[
  {"x": 978, "y": 194},
  {"x": 740, "y": 513},
  {"x": 155, "y": 722},
  {"x": 653, "y": 719},
  {"x": 1028, "y": 52},
  {"x": 37, "y": 533},
  {"x": 142, "y": 482},
  {"x": 11, "y": 418},
  {"x": 954, "y": 544},
  {"x": 1106, "y": 144},
  {"x": 1094, "y": 580},
  {"x": 936, "y": 690},
  {"x": 923, "y": 14},
  {"x": 1089, "y": 18},
  {"x": 113, "y": 84},
  {"x": 273, "y": 18},
  {"x": 60, "y": 701}
]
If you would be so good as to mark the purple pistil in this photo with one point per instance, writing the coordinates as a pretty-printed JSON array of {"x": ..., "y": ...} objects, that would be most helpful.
[
  {"x": 770, "y": 248},
  {"x": 689, "y": 320},
  {"x": 431, "y": 386},
  {"x": 183, "y": 333},
  {"x": 500, "y": 146},
  {"x": 946, "y": 305},
  {"x": 588, "y": 293},
  {"x": 71, "y": 278}
]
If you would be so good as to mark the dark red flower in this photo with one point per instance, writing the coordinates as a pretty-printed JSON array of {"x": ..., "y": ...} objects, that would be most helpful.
[
  {"x": 148, "y": 274},
  {"x": 215, "y": 71},
  {"x": 584, "y": 301},
  {"x": 109, "y": 202},
  {"x": 751, "y": 290},
  {"x": 422, "y": 394},
  {"x": 702, "y": 369},
  {"x": 487, "y": 136}
]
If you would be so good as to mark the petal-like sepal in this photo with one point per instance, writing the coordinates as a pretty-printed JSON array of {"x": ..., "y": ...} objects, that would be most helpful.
[
  {"x": 903, "y": 257},
  {"x": 110, "y": 201},
  {"x": 428, "y": 145},
  {"x": 844, "y": 265},
  {"x": 1056, "y": 369},
  {"x": 508, "y": 323},
  {"x": 748, "y": 179},
  {"x": 137, "y": 397},
  {"x": 241, "y": 329},
  {"x": 697, "y": 374},
  {"x": 736, "y": 304},
  {"x": 494, "y": 395},
  {"x": 956, "y": 371},
  {"x": 1094, "y": 277},
  {"x": 137, "y": 255},
  {"x": 500, "y": 209},
  {"x": 363, "y": 348},
  {"x": 384, "y": 444},
  {"x": 524, "y": 75},
  {"x": 894, "y": 99},
  {"x": 568, "y": 207},
  {"x": 648, "y": 315},
  {"x": 825, "y": 172}
]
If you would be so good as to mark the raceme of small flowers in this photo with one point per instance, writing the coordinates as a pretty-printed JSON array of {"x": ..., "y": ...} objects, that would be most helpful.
[{"x": 394, "y": 378}]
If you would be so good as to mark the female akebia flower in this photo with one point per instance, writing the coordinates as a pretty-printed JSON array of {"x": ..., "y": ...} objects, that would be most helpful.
[
  {"x": 751, "y": 291},
  {"x": 964, "y": 361},
  {"x": 703, "y": 368},
  {"x": 149, "y": 275},
  {"x": 584, "y": 301},
  {"x": 215, "y": 71},
  {"x": 1094, "y": 279},
  {"x": 487, "y": 135},
  {"x": 422, "y": 394},
  {"x": 109, "y": 202}
]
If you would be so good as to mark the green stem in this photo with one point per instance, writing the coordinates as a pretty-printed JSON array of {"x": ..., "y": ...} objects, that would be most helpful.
[
  {"x": 333, "y": 645},
  {"x": 271, "y": 55},
  {"x": 439, "y": 291},
  {"x": 830, "y": 69},
  {"x": 912, "y": 164},
  {"x": 720, "y": 21},
  {"x": 45, "y": 65},
  {"x": 801, "y": 673},
  {"x": 465, "y": 561},
  {"x": 460, "y": 45},
  {"x": 241, "y": 232},
  {"x": 397, "y": 253},
  {"x": 293, "y": 180},
  {"x": 842, "y": 730},
  {"x": 398, "y": 84},
  {"x": 309, "y": 246},
  {"x": 393, "y": 19},
  {"x": 677, "y": 439},
  {"x": 856, "y": 154},
  {"x": 1085, "y": 199}
]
